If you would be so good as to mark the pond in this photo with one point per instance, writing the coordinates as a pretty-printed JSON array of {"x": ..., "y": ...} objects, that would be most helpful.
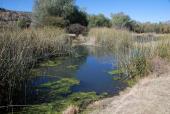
[{"x": 84, "y": 74}]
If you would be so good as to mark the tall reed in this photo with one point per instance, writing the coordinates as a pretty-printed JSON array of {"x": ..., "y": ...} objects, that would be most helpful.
[
  {"x": 133, "y": 53},
  {"x": 19, "y": 52}
]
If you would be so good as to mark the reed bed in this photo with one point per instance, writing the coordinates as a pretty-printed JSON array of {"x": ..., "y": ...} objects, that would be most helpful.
[
  {"x": 19, "y": 52},
  {"x": 108, "y": 36},
  {"x": 134, "y": 54}
]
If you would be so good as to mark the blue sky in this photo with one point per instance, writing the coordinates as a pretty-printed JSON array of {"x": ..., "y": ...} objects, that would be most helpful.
[{"x": 140, "y": 10}]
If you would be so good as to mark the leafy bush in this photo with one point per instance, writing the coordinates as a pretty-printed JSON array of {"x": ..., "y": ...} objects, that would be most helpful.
[
  {"x": 54, "y": 21},
  {"x": 139, "y": 67},
  {"x": 77, "y": 16},
  {"x": 23, "y": 23},
  {"x": 56, "y": 8},
  {"x": 58, "y": 13},
  {"x": 76, "y": 29},
  {"x": 99, "y": 21},
  {"x": 120, "y": 20}
]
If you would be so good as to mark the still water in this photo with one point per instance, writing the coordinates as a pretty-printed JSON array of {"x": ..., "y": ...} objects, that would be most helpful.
[{"x": 88, "y": 65}]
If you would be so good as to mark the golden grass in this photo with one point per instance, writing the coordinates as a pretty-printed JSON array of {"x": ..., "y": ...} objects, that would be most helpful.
[{"x": 108, "y": 36}]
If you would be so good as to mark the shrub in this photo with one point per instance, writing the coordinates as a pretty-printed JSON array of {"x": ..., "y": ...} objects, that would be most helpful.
[
  {"x": 77, "y": 16},
  {"x": 54, "y": 21},
  {"x": 120, "y": 20},
  {"x": 163, "y": 50},
  {"x": 76, "y": 29},
  {"x": 23, "y": 23},
  {"x": 99, "y": 21},
  {"x": 48, "y": 8}
]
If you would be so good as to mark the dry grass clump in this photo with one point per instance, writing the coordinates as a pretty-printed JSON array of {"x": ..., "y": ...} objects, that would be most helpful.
[
  {"x": 107, "y": 36},
  {"x": 71, "y": 110},
  {"x": 163, "y": 49}
]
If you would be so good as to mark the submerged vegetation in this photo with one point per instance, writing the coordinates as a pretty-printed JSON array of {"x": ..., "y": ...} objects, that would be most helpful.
[
  {"x": 80, "y": 100},
  {"x": 72, "y": 66},
  {"x": 60, "y": 87},
  {"x": 60, "y": 97},
  {"x": 114, "y": 72}
]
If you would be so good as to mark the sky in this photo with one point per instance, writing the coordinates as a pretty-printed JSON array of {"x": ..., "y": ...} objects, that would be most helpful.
[{"x": 140, "y": 10}]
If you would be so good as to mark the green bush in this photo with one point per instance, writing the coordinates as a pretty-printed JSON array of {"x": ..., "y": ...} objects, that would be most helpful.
[
  {"x": 54, "y": 21},
  {"x": 99, "y": 21},
  {"x": 120, "y": 20},
  {"x": 164, "y": 51},
  {"x": 77, "y": 16},
  {"x": 23, "y": 23}
]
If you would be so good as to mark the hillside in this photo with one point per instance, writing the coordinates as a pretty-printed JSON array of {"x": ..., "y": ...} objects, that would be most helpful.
[{"x": 9, "y": 17}]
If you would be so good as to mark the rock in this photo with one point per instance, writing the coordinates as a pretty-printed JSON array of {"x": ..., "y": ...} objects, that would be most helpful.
[
  {"x": 9, "y": 18},
  {"x": 71, "y": 110}
]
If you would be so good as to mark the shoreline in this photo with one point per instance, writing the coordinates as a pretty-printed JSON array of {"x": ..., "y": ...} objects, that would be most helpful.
[{"x": 149, "y": 95}]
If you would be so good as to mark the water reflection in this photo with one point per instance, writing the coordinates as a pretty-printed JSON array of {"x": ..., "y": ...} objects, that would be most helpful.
[
  {"x": 89, "y": 65},
  {"x": 92, "y": 66}
]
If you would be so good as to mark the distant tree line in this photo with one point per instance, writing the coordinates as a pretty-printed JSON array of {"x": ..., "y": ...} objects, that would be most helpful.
[
  {"x": 99, "y": 21},
  {"x": 65, "y": 14},
  {"x": 151, "y": 27}
]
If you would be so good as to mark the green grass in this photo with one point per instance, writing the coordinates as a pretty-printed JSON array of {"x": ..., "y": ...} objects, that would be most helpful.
[
  {"x": 72, "y": 67},
  {"x": 114, "y": 72},
  {"x": 132, "y": 81},
  {"x": 50, "y": 63}
]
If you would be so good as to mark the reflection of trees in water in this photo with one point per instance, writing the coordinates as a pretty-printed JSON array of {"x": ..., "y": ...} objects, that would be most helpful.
[
  {"x": 102, "y": 54},
  {"x": 98, "y": 52}
]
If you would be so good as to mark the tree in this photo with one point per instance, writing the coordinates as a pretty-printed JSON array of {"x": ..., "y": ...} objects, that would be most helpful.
[
  {"x": 61, "y": 13},
  {"x": 23, "y": 23},
  {"x": 99, "y": 21},
  {"x": 53, "y": 8},
  {"x": 77, "y": 16},
  {"x": 120, "y": 20},
  {"x": 54, "y": 21}
]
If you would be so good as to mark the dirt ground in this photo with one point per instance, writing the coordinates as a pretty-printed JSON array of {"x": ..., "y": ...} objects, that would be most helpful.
[{"x": 150, "y": 95}]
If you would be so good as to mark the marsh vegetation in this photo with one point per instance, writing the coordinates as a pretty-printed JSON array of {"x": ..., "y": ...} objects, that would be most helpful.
[
  {"x": 42, "y": 70},
  {"x": 51, "y": 62}
]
